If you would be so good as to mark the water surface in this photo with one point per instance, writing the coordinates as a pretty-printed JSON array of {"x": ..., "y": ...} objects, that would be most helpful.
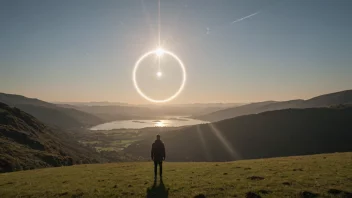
[{"x": 138, "y": 124}]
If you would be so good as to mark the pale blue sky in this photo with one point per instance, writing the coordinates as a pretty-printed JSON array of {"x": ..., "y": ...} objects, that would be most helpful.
[{"x": 81, "y": 50}]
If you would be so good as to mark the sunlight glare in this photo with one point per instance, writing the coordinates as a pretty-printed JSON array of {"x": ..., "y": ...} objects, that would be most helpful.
[
  {"x": 223, "y": 140},
  {"x": 159, "y": 124},
  {"x": 160, "y": 51}
]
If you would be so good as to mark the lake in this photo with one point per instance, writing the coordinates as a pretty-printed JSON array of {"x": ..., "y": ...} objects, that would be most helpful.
[{"x": 138, "y": 124}]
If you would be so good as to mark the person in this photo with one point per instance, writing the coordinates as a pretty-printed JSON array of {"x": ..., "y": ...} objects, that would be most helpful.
[{"x": 158, "y": 156}]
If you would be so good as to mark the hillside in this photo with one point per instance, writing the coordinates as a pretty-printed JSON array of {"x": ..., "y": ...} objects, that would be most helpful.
[
  {"x": 343, "y": 97},
  {"x": 327, "y": 175},
  {"x": 269, "y": 134},
  {"x": 51, "y": 114},
  {"x": 26, "y": 143}
]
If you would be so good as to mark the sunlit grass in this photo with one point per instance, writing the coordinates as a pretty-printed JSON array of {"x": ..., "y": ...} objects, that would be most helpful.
[{"x": 327, "y": 175}]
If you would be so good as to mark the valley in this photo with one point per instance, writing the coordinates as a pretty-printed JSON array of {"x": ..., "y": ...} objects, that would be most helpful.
[{"x": 282, "y": 132}]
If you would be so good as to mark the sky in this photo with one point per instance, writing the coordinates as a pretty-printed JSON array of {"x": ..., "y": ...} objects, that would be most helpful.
[{"x": 233, "y": 50}]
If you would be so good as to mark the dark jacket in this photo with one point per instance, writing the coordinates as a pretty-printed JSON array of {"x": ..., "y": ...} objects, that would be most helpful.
[{"x": 158, "y": 151}]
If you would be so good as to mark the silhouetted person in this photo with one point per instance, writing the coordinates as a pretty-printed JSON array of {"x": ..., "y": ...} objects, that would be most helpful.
[{"x": 158, "y": 156}]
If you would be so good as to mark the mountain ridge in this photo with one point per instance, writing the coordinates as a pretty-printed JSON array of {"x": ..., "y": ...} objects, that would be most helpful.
[
  {"x": 336, "y": 98},
  {"x": 276, "y": 133},
  {"x": 51, "y": 114}
]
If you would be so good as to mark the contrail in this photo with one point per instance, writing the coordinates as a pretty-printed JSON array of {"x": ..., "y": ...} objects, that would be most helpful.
[{"x": 243, "y": 18}]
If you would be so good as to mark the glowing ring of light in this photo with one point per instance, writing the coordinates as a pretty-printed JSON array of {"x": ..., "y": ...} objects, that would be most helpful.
[{"x": 140, "y": 91}]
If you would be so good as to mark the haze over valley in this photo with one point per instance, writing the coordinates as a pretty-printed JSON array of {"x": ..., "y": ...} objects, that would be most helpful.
[{"x": 123, "y": 132}]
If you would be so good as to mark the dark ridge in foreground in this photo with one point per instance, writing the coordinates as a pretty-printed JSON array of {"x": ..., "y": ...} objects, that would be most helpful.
[{"x": 26, "y": 143}]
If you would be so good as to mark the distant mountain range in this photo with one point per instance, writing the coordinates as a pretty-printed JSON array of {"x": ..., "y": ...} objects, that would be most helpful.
[
  {"x": 343, "y": 97},
  {"x": 26, "y": 143},
  {"x": 106, "y": 103},
  {"x": 151, "y": 111},
  {"x": 102, "y": 103},
  {"x": 94, "y": 113},
  {"x": 269, "y": 134},
  {"x": 77, "y": 115},
  {"x": 51, "y": 114}
]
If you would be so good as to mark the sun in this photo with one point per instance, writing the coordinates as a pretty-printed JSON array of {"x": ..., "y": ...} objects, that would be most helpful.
[{"x": 160, "y": 51}]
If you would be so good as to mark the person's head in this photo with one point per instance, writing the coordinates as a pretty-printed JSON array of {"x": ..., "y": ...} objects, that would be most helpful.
[{"x": 158, "y": 137}]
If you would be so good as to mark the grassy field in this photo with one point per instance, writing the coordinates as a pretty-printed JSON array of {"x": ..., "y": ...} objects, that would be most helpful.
[{"x": 328, "y": 175}]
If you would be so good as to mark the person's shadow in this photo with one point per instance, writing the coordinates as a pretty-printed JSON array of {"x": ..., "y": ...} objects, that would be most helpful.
[{"x": 158, "y": 191}]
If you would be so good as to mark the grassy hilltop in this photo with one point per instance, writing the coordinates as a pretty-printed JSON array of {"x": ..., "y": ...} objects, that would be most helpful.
[{"x": 327, "y": 175}]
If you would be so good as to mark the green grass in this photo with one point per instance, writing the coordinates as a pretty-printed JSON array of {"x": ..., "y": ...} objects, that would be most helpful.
[
  {"x": 90, "y": 142},
  {"x": 112, "y": 145},
  {"x": 114, "y": 140},
  {"x": 328, "y": 175}
]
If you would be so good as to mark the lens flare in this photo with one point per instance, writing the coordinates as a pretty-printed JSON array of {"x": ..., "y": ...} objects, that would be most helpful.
[{"x": 159, "y": 52}]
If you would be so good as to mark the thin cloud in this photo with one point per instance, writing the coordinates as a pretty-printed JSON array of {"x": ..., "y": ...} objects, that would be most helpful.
[{"x": 243, "y": 18}]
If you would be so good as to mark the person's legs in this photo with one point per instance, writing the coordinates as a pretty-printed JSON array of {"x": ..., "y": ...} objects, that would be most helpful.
[
  {"x": 161, "y": 168},
  {"x": 155, "y": 168}
]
